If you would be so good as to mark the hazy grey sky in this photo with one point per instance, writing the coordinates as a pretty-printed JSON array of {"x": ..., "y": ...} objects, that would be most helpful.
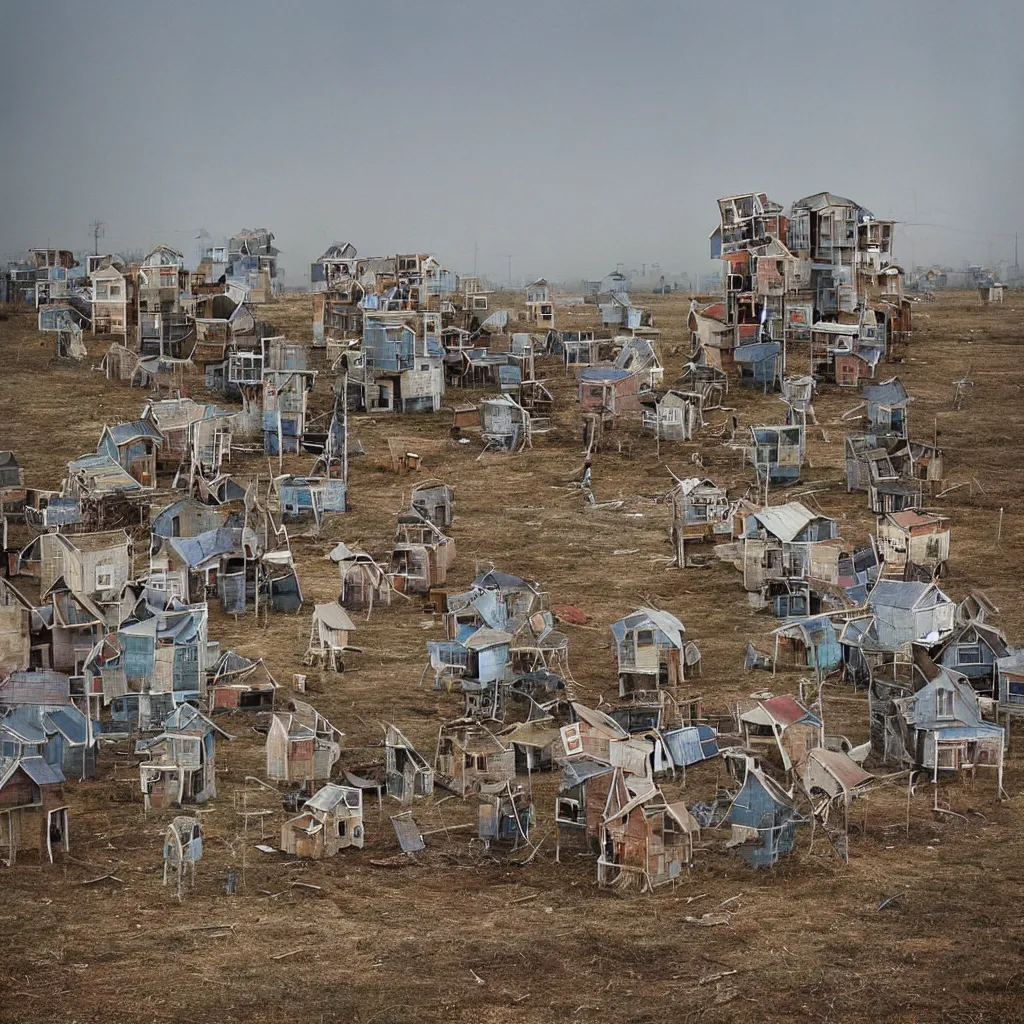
[{"x": 573, "y": 135}]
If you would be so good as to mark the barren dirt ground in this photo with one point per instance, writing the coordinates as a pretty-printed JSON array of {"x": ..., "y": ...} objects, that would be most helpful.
[{"x": 458, "y": 936}]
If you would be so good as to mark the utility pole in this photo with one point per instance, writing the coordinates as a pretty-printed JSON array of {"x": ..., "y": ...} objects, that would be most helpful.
[
  {"x": 508, "y": 256},
  {"x": 97, "y": 228}
]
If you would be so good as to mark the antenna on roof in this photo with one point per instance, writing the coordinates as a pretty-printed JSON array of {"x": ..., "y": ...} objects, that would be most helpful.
[{"x": 98, "y": 229}]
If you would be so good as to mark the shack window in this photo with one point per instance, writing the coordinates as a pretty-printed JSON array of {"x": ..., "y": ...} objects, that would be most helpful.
[
  {"x": 943, "y": 703},
  {"x": 645, "y": 638},
  {"x": 968, "y": 654},
  {"x": 342, "y": 828},
  {"x": 104, "y": 577},
  {"x": 567, "y": 810}
]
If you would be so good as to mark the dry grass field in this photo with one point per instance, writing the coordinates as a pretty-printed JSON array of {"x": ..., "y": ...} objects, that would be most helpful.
[{"x": 459, "y": 936}]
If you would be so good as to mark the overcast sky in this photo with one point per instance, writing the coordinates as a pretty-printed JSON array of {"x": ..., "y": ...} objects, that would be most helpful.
[{"x": 571, "y": 135}]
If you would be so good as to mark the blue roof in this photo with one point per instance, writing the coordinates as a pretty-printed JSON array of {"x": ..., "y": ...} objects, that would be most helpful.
[
  {"x": 41, "y": 773},
  {"x": 123, "y": 433},
  {"x": 758, "y": 352},
  {"x": 194, "y": 551},
  {"x": 24, "y": 724},
  {"x": 70, "y": 723}
]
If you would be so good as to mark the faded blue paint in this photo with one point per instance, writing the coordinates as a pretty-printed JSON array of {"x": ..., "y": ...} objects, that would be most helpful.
[
  {"x": 691, "y": 744},
  {"x": 297, "y": 496},
  {"x": 758, "y": 364},
  {"x": 137, "y": 656},
  {"x": 756, "y": 807},
  {"x": 492, "y": 663},
  {"x": 389, "y": 347}
]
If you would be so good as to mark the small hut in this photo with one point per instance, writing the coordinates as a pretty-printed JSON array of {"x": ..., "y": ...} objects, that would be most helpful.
[
  {"x": 328, "y": 637},
  {"x": 330, "y": 821},
  {"x": 364, "y": 581},
  {"x": 183, "y": 846}
]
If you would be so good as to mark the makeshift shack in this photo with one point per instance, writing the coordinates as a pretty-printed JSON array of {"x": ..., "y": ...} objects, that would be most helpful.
[{"x": 330, "y": 821}]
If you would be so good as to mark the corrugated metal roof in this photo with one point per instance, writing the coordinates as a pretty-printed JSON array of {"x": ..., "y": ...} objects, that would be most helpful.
[
  {"x": 785, "y": 521},
  {"x": 41, "y": 773},
  {"x": 783, "y": 710},
  {"x": 410, "y": 839},
  {"x": 841, "y": 767}
]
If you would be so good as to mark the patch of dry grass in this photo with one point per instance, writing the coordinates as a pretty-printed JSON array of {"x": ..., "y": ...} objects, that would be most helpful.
[{"x": 806, "y": 941}]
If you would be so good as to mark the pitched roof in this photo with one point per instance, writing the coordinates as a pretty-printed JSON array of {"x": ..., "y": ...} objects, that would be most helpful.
[
  {"x": 104, "y": 474},
  {"x": 898, "y": 594},
  {"x": 782, "y": 710},
  {"x": 599, "y": 720},
  {"x": 785, "y": 521},
  {"x": 333, "y": 616},
  {"x": 125, "y": 433},
  {"x": 41, "y": 773},
  {"x": 665, "y": 622},
  {"x": 841, "y": 767}
]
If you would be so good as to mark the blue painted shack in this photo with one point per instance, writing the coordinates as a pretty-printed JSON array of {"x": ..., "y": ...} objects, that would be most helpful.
[
  {"x": 809, "y": 642},
  {"x": 60, "y": 734},
  {"x": 763, "y": 819},
  {"x": 974, "y": 650},
  {"x": 942, "y": 728},
  {"x": 167, "y": 652},
  {"x": 886, "y": 408},
  {"x": 284, "y": 409},
  {"x": 133, "y": 446},
  {"x": 759, "y": 364},
  {"x": 479, "y": 664}
]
